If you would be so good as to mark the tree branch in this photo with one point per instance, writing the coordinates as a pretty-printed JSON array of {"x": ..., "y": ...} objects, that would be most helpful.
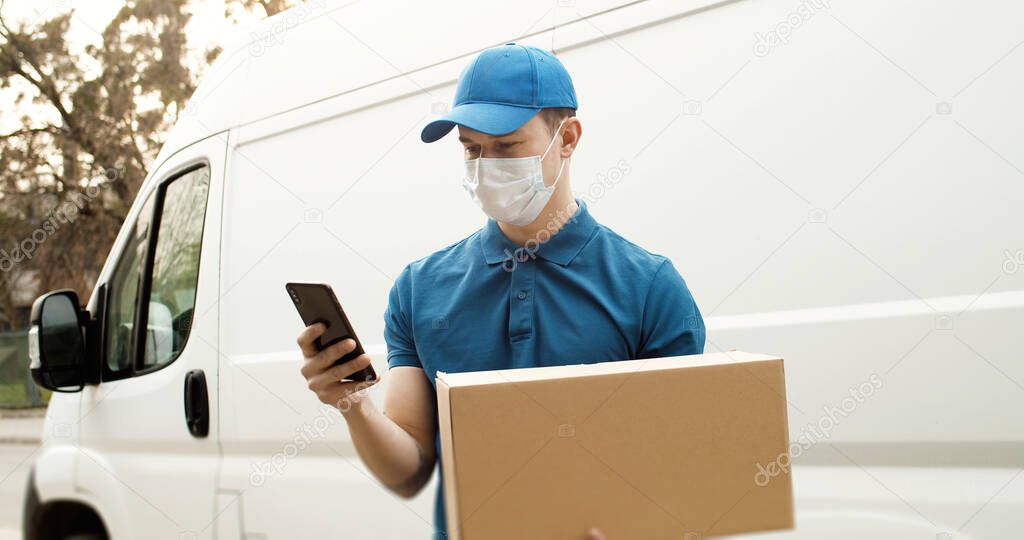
[{"x": 52, "y": 130}]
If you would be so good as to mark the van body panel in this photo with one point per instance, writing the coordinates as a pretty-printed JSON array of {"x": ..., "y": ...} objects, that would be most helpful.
[
  {"x": 807, "y": 259},
  {"x": 54, "y": 471}
]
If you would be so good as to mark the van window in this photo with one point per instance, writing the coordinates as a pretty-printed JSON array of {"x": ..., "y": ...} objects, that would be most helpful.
[
  {"x": 124, "y": 292},
  {"x": 172, "y": 297},
  {"x": 178, "y": 222}
]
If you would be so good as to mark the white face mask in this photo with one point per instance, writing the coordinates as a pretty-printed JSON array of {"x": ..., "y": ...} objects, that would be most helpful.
[{"x": 510, "y": 190}]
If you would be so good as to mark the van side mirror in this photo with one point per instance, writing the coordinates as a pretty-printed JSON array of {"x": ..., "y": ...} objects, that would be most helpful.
[{"x": 56, "y": 346}]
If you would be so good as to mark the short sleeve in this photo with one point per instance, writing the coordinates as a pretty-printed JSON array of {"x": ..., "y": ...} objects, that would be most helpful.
[
  {"x": 672, "y": 323},
  {"x": 398, "y": 334}
]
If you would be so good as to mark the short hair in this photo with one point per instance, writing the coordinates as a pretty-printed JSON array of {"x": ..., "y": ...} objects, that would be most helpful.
[{"x": 553, "y": 115}]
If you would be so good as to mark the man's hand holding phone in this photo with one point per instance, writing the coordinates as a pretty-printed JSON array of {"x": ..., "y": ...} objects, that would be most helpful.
[
  {"x": 397, "y": 447},
  {"x": 328, "y": 380}
]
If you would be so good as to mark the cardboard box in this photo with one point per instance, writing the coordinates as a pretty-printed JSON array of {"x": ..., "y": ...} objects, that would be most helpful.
[{"x": 674, "y": 448}]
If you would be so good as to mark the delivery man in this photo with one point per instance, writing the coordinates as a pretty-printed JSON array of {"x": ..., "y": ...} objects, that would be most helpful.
[{"x": 541, "y": 283}]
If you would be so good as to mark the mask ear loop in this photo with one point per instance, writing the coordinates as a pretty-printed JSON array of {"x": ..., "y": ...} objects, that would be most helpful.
[
  {"x": 560, "y": 167},
  {"x": 559, "y": 176},
  {"x": 548, "y": 149}
]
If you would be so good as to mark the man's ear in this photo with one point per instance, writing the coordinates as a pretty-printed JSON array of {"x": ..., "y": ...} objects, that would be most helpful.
[{"x": 572, "y": 130}]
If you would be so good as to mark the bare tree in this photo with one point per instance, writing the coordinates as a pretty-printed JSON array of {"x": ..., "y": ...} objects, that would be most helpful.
[{"x": 69, "y": 172}]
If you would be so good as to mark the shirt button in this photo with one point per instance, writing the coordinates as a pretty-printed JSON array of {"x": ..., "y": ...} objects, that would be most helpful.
[{"x": 521, "y": 295}]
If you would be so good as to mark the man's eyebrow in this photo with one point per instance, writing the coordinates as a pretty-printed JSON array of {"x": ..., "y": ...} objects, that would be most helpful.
[{"x": 463, "y": 138}]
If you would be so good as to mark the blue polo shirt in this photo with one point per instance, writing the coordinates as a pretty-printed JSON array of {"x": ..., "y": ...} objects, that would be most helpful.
[{"x": 584, "y": 295}]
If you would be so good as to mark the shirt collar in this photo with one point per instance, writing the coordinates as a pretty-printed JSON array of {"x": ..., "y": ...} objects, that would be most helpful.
[{"x": 561, "y": 247}]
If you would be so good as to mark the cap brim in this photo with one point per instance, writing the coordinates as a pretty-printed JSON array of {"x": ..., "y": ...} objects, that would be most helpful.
[{"x": 489, "y": 118}]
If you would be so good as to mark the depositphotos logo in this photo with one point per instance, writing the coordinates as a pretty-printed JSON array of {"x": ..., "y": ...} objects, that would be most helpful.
[{"x": 780, "y": 35}]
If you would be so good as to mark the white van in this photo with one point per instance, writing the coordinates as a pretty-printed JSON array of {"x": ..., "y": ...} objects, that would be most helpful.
[{"x": 839, "y": 184}]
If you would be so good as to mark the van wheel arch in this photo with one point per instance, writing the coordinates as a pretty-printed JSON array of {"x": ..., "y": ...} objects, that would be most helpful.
[{"x": 61, "y": 519}]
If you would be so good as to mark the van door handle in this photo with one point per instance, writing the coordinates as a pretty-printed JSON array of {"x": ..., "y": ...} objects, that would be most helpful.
[{"x": 197, "y": 405}]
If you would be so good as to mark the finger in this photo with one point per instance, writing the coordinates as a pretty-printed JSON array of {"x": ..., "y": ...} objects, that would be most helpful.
[
  {"x": 308, "y": 336},
  {"x": 323, "y": 360},
  {"x": 322, "y": 380},
  {"x": 341, "y": 394},
  {"x": 358, "y": 363},
  {"x": 338, "y": 393},
  {"x": 595, "y": 534},
  {"x": 328, "y": 356},
  {"x": 351, "y": 391}
]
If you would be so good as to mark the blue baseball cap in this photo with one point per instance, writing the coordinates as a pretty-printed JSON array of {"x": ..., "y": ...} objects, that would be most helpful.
[{"x": 502, "y": 89}]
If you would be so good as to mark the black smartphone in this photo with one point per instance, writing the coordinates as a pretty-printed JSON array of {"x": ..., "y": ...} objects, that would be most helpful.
[{"x": 316, "y": 302}]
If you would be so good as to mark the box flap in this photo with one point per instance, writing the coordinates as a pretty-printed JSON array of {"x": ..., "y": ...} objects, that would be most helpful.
[{"x": 476, "y": 378}]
